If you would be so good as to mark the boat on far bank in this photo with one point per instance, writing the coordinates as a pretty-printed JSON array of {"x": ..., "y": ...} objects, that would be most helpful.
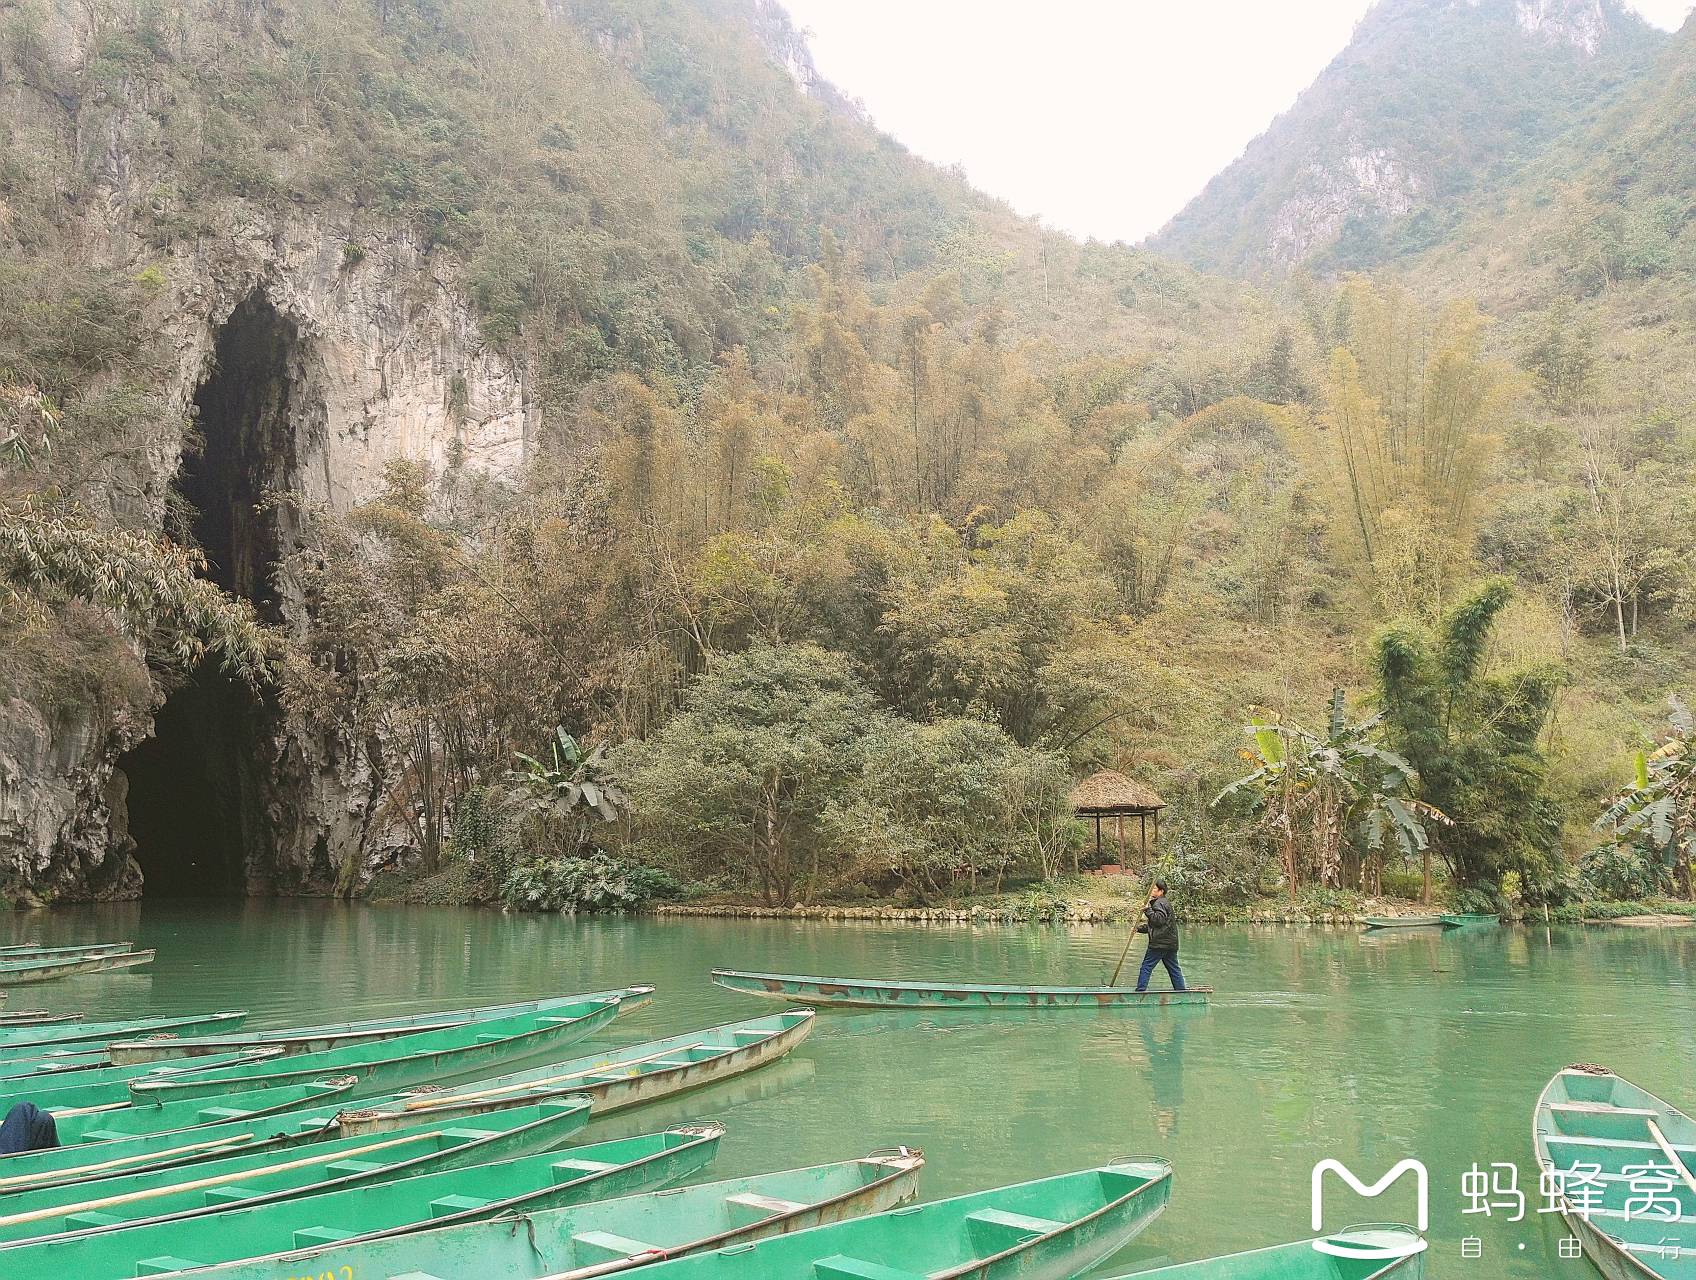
[
  {"x": 1468, "y": 919},
  {"x": 17, "y": 972},
  {"x": 868, "y": 993},
  {"x": 1403, "y": 922}
]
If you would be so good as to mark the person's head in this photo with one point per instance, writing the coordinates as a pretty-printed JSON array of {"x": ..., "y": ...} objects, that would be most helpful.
[{"x": 1159, "y": 890}]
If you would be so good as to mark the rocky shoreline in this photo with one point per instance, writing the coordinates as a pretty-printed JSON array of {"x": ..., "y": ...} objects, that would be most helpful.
[{"x": 1076, "y": 913}]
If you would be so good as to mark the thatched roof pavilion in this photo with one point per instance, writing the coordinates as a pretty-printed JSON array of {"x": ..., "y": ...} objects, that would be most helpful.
[{"x": 1112, "y": 795}]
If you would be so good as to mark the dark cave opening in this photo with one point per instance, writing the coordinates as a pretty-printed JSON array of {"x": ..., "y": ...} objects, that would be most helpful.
[{"x": 198, "y": 788}]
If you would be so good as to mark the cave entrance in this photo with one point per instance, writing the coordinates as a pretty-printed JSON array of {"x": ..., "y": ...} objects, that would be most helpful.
[{"x": 199, "y": 789}]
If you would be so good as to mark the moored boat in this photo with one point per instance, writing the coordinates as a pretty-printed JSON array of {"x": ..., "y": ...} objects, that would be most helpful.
[
  {"x": 608, "y": 1236},
  {"x": 1402, "y": 922},
  {"x": 1597, "y": 1137},
  {"x": 1359, "y": 1253},
  {"x": 1043, "y": 1230},
  {"x": 17, "y": 972},
  {"x": 106, "y": 1087},
  {"x": 553, "y": 1180},
  {"x": 51, "y": 1063},
  {"x": 32, "y": 951},
  {"x": 1468, "y": 919},
  {"x": 33, "y": 1018},
  {"x": 334, "y": 1035},
  {"x": 95, "y": 1144},
  {"x": 417, "y": 1058},
  {"x": 253, "y": 1178},
  {"x": 27, "y": 1041},
  {"x": 866, "y": 993},
  {"x": 612, "y": 1079}
]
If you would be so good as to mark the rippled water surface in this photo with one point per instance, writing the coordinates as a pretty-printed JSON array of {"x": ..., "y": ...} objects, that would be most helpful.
[{"x": 1320, "y": 1043}]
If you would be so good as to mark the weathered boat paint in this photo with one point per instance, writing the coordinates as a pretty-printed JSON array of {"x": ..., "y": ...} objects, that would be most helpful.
[
  {"x": 18, "y": 972},
  {"x": 1354, "y": 1254},
  {"x": 374, "y": 1211},
  {"x": 864, "y": 993},
  {"x": 1049, "y": 1229},
  {"x": 34, "y": 951},
  {"x": 1403, "y": 922},
  {"x": 453, "y": 1052},
  {"x": 28, "y": 1041},
  {"x": 1468, "y": 919},
  {"x": 609, "y": 1236},
  {"x": 99, "y": 1143},
  {"x": 248, "y": 1178},
  {"x": 612, "y": 1079},
  {"x": 1588, "y": 1119},
  {"x": 292, "y": 1040},
  {"x": 34, "y": 1018},
  {"x": 105, "y": 1087}
]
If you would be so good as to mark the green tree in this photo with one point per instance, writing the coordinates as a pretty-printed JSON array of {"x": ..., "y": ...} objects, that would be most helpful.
[
  {"x": 1473, "y": 736},
  {"x": 742, "y": 778}
]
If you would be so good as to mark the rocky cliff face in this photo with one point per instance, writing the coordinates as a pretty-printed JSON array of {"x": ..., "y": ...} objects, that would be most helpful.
[
  {"x": 1432, "y": 102},
  {"x": 305, "y": 351}
]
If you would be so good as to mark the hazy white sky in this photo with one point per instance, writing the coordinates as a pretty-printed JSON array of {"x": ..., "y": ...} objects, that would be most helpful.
[{"x": 1102, "y": 117}]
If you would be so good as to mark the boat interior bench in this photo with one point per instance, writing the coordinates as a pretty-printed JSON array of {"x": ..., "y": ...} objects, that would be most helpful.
[
  {"x": 842, "y": 1267},
  {"x": 604, "y": 1246}
]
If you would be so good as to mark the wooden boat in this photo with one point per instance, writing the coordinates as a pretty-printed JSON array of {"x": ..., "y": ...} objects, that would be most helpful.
[
  {"x": 35, "y": 1040},
  {"x": 1468, "y": 919},
  {"x": 1359, "y": 1253},
  {"x": 334, "y": 1035},
  {"x": 33, "y": 1018},
  {"x": 98, "y": 1087},
  {"x": 254, "y": 1178},
  {"x": 1049, "y": 1229},
  {"x": 612, "y": 1079},
  {"x": 368, "y": 1212},
  {"x": 403, "y": 1060},
  {"x": 15, "y": 973},
  {"x": 15, "y": 1072},
  {"x": 97, "y": 1144},
  {"x": 861, "y": 993},
  {"x": 1403, "y": 922},
  {"x": 609, "y": 1236},
  {"x": 1590, "y": 1128},
  {"x": 29, "y": 951}
]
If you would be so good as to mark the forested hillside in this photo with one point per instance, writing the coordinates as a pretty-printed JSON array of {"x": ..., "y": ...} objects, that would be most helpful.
[
  {"x": 1433, "y": 106},
  {"x": 402, "y": 398}
]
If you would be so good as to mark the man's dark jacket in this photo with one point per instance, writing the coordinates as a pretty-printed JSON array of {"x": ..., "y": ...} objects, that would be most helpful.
[{"x": 1160, "y": 925}]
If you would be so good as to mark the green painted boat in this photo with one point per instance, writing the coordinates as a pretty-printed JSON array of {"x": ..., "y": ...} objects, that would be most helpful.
[
  {"x": 1468, "y": 919},
  {"x": 1403, "y": 922},
  {"x": 1049, "y": 1229},
  {"x": 34, "y": 1018},
  {"x": 96, "y": 1144},
  {"x": 1597, "y": 1134},
  {"x": 609, "y": 1236},
  {"x": 335, "y": 1035},
  {"x": 31, "y": 1041},
  {"x": 98, "y": 1087},
  {"x": 16, "y": 973},
  {"x": 1359, "y": 1253},
  {"x": 27, "y": 951},
  {"x": 49, "y": 1064},
  {"x": 373, "y": 1211},
  {"x": 422, "y": 1056},
  {"x": 254, "y": 1178},
  {"x": 862, "y": 993},
  {"x": 612, "y": 1079}
]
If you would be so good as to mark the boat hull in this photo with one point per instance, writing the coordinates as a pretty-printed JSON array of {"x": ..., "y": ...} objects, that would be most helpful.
[
  {"x": 1404, "y": 922},
  {"x": 1302, "y": 1261},
  {"x": 619, "y": 1079},
  {"x": 35, "y": 1040},
  {"x": 21, "y": 972},
  {"x": 858, "y": 993}
]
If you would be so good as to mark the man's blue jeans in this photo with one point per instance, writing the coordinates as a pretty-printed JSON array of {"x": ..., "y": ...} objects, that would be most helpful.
[{"x": 1168, "y": 958}]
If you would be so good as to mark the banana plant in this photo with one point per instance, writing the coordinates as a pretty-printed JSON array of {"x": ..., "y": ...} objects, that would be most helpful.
[
  {"x": 1657, "y": 810},
  {"x": 574, "y": 787},
  {"x": 1315, "y": 794}
]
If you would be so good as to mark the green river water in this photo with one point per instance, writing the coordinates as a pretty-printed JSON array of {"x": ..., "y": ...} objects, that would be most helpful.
[{"x": 1321, "y": 1043}]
